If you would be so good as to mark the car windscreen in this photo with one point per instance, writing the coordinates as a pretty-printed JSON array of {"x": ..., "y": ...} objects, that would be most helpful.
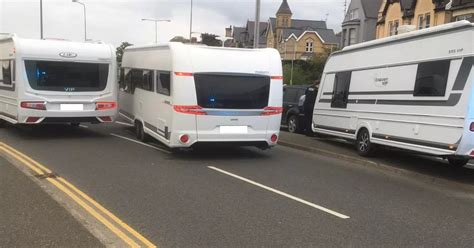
[
  {"x": 232, "y": 91},
  {"x": 66, "y": 76}
]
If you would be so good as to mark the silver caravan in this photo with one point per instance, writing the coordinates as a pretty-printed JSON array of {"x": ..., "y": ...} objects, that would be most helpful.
[{"x": 412, "y": 91}]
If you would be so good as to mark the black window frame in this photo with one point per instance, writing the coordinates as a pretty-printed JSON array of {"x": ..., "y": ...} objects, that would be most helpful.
[
  {"x": 438, "y": 68},
  {"x": 159, "y": 83},
  {"x": 99, "y": 83},
  {"x": 10, "y": 70},
  {"x": 342, "y": 80}
]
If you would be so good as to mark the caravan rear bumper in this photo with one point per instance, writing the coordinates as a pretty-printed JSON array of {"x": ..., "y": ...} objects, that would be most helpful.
[
  {"x": 263, "y": 140},
  {"x": 47, "y": 116}
]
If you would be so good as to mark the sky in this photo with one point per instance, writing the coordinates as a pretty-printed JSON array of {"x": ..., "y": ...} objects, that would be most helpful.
[{"x": 114, "y": 21}]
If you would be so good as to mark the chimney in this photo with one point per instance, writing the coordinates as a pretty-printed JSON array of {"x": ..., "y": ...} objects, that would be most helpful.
[{"x": 228, "y": 32}]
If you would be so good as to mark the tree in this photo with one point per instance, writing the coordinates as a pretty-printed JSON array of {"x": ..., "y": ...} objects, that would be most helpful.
[
  {"x": 120, "y": 50},
  {"x": 180, "y": 39},
  {"x": 305, "y": 72},
  {"x": 210, "y": 39}
]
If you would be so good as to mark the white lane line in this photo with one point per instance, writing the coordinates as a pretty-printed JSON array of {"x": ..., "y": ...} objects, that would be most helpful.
[
  {"x": 141, "y": 143},
  {"x": 83, "y": 126},
  {"x": 124, "y": 124},
  {"x": 329, "y": 211}
]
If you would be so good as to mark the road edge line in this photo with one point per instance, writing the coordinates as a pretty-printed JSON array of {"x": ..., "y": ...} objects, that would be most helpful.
[{"x": 62, "y": 184}]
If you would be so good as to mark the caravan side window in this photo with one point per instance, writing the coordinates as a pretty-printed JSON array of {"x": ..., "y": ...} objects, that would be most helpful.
[
  {"x": 431, "y": 78},
  {"x": 128, "y": 81},
  {"x": 340, "y": 96},
  {"x": 147, "y": 81},
  {"x": 6, "y": 72},
  {"x": 163, "y": 81}
]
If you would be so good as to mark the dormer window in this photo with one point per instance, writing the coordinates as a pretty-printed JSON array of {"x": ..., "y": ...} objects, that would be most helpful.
[{"x": 354, "y": 14}]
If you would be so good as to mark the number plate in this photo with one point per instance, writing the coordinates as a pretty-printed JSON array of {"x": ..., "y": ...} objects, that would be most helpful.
[
  {"x": 71, "y": 107},
  {"x": 234, "y": 129}
]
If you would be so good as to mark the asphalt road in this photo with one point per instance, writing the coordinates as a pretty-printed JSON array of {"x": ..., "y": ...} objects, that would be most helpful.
[
  {"x": 29, "y": 217},
  {"x": 244, "y": 197}
]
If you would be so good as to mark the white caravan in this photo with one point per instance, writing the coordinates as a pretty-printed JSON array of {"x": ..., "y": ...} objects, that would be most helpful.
[
  {"x": 53, "y": 81},
  {"x": 184, "y": 94},
  {"x": 412, "y": 91}
]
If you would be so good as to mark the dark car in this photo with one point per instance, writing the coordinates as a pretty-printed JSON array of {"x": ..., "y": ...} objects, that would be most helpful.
[{"x": 293, "y": 115}]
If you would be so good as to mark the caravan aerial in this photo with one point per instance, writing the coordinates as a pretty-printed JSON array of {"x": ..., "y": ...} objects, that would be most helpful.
[
  {"x": 412, "y": 91},
  {"x": 53, "y": 81},
  {"x": 184, "y": 95}
]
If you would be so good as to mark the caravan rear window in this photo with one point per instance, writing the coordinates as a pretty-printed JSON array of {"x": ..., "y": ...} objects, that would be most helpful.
[
  {"x": 237, "y": 91},
  {"x": 66, "y": 76},
  {"x": 431, "y": 78}
]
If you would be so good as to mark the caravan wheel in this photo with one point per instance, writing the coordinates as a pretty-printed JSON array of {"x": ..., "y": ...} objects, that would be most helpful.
[
  {"x": 2, "y": 123},
  {"x": 364, "y": 147},
  {"x": 139, "y": 132}
]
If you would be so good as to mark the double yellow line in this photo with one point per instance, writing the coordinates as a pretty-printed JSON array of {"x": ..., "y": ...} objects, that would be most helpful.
[{"x": 112, "y": 222}]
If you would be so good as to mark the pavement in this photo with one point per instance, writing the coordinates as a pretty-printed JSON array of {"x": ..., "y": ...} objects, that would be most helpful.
[
  {"x": 245, "y": 197},
  {"x": 29, "y": 217}
]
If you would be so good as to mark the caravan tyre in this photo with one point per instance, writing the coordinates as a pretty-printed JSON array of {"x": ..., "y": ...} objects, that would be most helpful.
[
  {"x": 364, "y": 147},
  {"x": 140, "y": 133},
  {"x": 2, "y": 123},
  {"x": 457, "y": 161}
]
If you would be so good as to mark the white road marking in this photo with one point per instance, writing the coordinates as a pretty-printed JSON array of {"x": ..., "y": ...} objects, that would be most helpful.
[
  {"x": 83, "y": 126},
  {"x": 141, "y": 143},
  {"x": 329, "y": 211},
  {"x": 124, "y": 124}
]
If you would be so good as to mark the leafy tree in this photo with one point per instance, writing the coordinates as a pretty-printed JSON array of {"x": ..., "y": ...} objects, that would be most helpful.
[
  {"x": 180, "y": 39},
  {"x": 210, "y": 39},
  {"x": 120, "y": 50},
  {"x": 305, "y": 72}
]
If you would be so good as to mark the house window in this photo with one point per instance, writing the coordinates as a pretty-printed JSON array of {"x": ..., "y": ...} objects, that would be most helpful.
[
  {"x": 464, "y": 18},
  {"x": 394, "y": 27},
  {"x": 427, "y": 20},
  {"x": 431, "y": 78},
  {"x": 352, "y": 36},
  {"x": 420, "y": 22},
  {"x": 344, "y": 37},
  {"x": 354, "y": 14},
  {"x": 309, "y": 46},
  {"x": 340, "y": 96}
]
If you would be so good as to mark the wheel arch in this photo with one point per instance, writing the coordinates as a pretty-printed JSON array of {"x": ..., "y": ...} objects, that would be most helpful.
[{"x": 363, "y": 125}]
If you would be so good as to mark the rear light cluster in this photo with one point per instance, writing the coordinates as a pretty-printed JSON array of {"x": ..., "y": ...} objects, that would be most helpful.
[
  {"x": 272, "y": 111},
  {"x": 183, "y": 74},
  {"x": 191, "y": 110},
  {"x": 471, "y": 127},
  {"x": 105, "y": 105},
  {"x": 34, "y": 105},
  {"x": 32, "y": 119}
]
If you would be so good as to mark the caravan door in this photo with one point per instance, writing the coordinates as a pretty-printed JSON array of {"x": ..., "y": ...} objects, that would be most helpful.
[{"x": 165, "y": 104}]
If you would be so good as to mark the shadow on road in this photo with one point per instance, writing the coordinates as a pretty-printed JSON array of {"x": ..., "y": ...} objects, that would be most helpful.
[
  {"x": 52, "y": 131},
  {"x": 410, "y": 161}
]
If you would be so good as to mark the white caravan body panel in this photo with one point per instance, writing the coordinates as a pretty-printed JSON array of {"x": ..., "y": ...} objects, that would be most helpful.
[
  {"x": 412, "y": 91},
  {"x": 192, "y": 73},
  {"x": 57, "y": 81}
]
